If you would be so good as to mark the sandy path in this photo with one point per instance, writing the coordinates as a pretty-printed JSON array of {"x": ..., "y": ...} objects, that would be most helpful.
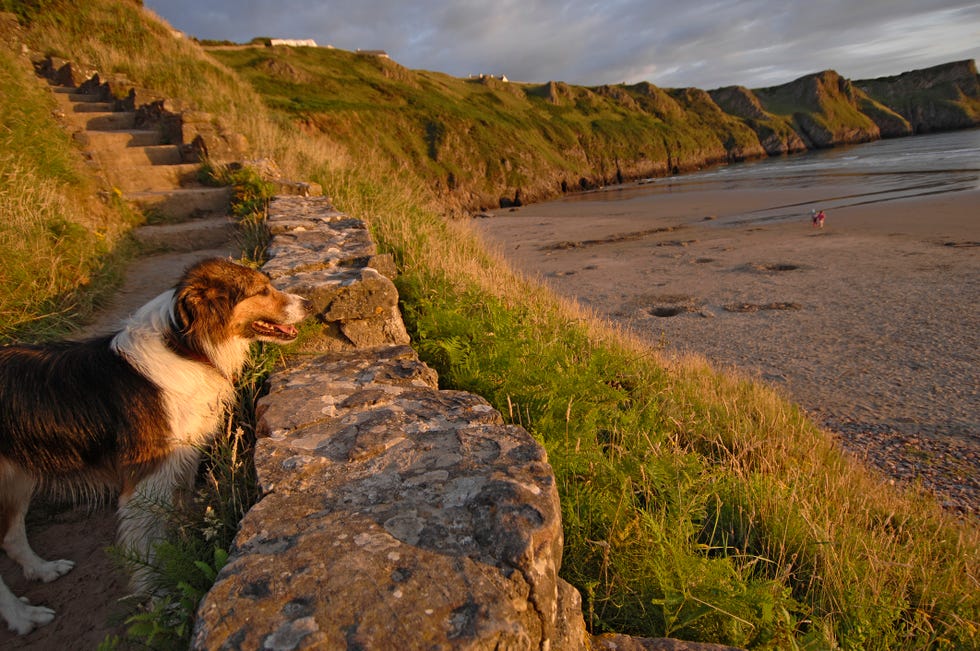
[{"x": 871, "y": 323}]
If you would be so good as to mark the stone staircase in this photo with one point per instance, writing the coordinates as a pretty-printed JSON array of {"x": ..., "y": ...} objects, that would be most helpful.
[
  {"x": 185, "y": 220},
  {"x": 136, "y": 162}
]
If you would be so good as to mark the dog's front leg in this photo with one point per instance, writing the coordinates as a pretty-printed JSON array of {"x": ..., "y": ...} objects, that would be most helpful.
[
  {"x": 21, "y": 616},
  {"x": 17, "y": 492}
]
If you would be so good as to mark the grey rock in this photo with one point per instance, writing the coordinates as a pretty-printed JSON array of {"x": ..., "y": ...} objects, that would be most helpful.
[{"x": 392, "y": 512}]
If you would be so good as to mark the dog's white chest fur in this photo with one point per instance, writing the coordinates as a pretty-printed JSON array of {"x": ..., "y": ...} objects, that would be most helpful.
[{"x": 195, "y": 394}]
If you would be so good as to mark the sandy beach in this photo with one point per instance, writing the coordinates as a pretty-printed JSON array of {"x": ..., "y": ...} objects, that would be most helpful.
[{"x": 870, "y": 323}]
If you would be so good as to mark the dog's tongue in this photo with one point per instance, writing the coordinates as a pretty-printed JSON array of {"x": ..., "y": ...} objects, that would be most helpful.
[{"x": 278, "y": 330}]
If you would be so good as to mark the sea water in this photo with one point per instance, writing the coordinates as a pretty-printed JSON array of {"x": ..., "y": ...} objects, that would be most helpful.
[
  {"x": 883, "y": 170},
  {"x": 949, "y": 161}
]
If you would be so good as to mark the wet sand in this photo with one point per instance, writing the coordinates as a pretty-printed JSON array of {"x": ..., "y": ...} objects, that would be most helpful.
[{"x": 870, "y": 323}]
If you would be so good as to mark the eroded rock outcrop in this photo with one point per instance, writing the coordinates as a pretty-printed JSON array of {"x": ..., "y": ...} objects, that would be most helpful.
[
  {"x": 776, "y": 135},
  {"x": 939, "y": 98},
  {"x": 824, "y": 109}
]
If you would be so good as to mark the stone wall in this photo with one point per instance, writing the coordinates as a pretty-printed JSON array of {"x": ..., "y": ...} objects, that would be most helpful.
[{"x": 394, "y": 515}]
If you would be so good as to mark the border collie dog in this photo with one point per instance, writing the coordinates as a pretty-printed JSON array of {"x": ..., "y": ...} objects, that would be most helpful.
[{"x": 128, "y": 412}]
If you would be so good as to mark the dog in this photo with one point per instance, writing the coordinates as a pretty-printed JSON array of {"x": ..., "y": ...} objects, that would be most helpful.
[{"x": 128, "y": 412}]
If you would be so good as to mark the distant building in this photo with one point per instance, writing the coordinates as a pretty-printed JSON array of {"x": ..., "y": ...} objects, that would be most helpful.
[
  {"x": 484, "y": 76},
  {"x": 292, "y": 42},
  {"x": 373, "y": 53}
]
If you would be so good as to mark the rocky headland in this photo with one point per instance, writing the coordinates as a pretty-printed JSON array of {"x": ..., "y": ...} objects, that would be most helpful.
[{"x": 532, "y": 142}]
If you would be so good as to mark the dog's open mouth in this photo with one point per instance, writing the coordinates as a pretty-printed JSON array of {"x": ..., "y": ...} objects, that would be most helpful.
[{"x": 277, "y": 331}]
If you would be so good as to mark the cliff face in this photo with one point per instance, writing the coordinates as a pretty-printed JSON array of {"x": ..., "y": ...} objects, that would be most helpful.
[
  {"x": 823, "y": 108},
  {"x": 776, "y": 135},
  {"x": 940, "y": 98},
  {"x": 485, "y": 143}
]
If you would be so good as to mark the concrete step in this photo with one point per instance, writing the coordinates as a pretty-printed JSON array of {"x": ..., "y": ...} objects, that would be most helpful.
[
  {"x": 91, "y": 107},
  {"x": 75, "y": 96},
  {"x": 182, "y": 204},
  {"x": 123, "y": 138},
  {"x": 151, "y": 178},
  {"x": 73, "y": 93},
  {"x": 111, "y": 121},
  {"x": 203, "y": 233},
  {"x": 151, "y": 155}
]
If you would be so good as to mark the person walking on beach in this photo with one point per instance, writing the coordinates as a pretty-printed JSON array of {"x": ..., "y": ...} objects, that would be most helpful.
[{"x": 819, "y": 219}]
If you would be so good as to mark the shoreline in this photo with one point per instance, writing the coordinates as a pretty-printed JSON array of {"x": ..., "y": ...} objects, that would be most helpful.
[{"x": 869, "y": 324}]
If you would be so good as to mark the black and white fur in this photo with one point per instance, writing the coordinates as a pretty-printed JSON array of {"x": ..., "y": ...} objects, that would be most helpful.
[{"x": 128, "y": 412}]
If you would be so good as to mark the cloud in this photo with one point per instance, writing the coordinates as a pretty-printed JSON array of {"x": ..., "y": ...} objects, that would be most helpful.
[{"x": 696, "y": 43}]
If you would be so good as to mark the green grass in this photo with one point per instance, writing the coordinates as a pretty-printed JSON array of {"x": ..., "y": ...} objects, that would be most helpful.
[
  {"x": 699, "y": 505},
  {"x": 55, "y": 236}
]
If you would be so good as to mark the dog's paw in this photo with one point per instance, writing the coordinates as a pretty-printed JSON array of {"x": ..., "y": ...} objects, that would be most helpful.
[
  {"x": 22, "y": 617},
  {"x": 49, "y": 570}
]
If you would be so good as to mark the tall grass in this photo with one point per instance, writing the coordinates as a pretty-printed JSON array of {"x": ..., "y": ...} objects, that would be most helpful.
[
  {"x": 697, "y": 504},
  {"x": 55, "y": 235}
]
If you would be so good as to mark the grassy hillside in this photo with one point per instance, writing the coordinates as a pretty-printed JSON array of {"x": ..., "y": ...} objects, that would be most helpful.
[
  {"x": 55, "y": 234},
  {"x": 479, "y": 142},
  {"x": 695, "y": 504},
  {"x": 823, "y": 109}
]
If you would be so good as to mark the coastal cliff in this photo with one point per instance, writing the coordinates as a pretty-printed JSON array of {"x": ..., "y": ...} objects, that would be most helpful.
[
  {"x": 486, "y": 143},
  {"x": 940, "y": 98}
]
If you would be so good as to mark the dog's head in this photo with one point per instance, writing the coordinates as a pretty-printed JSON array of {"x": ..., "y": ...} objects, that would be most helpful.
[{"x": 218, "y": 302}]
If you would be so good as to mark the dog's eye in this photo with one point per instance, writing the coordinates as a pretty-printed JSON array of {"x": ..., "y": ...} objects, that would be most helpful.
[{"x": 265, "y": 291}]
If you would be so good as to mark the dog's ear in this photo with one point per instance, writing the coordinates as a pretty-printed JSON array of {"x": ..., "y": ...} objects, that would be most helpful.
[
  {"x": 187, "y": 308},
  {"x": 202, "y": 308}
]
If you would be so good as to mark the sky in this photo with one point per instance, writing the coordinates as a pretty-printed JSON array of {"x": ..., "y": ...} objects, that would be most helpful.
[{"x": 672, "y": 44}]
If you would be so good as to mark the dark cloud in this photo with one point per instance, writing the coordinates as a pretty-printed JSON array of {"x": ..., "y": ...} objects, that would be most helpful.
[{"x": 698, "y": 43}]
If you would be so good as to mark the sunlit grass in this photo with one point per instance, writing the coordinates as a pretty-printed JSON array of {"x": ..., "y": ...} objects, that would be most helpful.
[{"x": 55, "y": 235}]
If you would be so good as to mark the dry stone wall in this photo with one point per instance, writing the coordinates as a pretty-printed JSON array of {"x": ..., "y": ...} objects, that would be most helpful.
[{"x": 394, "y": 515}]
